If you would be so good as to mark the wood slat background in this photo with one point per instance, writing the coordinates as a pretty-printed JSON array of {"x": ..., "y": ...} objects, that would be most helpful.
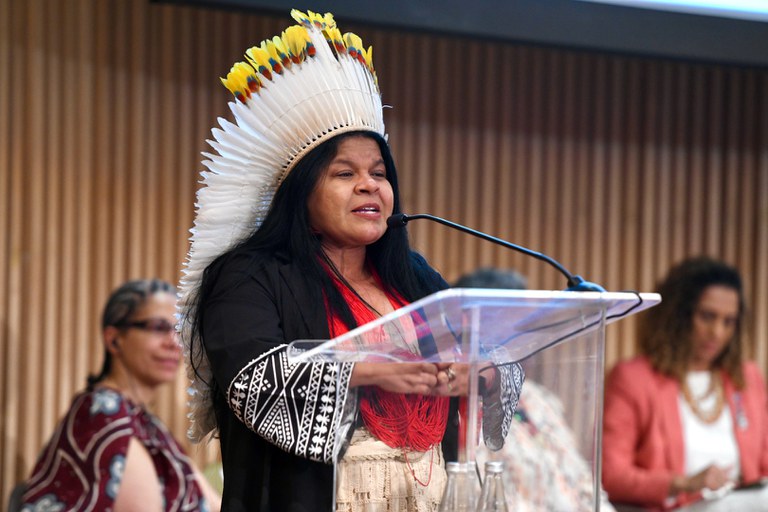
[{"x": 617, "y": 166}]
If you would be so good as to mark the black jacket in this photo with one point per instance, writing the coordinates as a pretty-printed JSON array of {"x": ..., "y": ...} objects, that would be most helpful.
[{"x": 257, "y": 305}]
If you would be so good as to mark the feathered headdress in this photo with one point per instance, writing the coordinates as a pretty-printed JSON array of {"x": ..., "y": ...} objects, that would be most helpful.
[{"x": 295, "y": 91}]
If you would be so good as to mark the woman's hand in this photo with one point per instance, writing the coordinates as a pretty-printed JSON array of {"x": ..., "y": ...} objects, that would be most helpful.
[
  {"x": 419, "y": 378},
  {"x": 712, "y": 477},
  {"x": 452, "y": 379},
  {"x": 441, "y": 379}
]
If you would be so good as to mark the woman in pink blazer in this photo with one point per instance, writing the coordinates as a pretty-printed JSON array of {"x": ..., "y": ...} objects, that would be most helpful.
[{"x": 688, "y": 419}]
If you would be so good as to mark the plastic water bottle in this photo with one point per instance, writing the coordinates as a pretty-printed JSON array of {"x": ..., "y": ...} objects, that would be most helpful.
[
  {"x": 458, "y": 495},
  {"x": 492, "y": 497}
]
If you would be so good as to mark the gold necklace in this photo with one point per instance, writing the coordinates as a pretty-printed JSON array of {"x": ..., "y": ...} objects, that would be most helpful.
[{"x": 716, "y": 387}]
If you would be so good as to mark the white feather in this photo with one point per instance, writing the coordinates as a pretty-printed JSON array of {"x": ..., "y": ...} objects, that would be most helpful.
[{"x": 289, "y": 116}]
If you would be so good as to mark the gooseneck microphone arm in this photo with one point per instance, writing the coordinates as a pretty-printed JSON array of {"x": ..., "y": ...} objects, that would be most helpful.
[{"x": 575, "y": 283}]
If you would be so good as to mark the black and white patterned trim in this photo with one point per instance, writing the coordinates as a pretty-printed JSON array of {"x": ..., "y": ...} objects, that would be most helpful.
[
  {"x": 512, "y": 377},
  {"x": 297, "y": 407},
  {"x": 499, "y": 405}
]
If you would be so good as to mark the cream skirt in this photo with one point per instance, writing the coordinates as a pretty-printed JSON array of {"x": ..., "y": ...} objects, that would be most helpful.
[{"x": 372, "y": 477}]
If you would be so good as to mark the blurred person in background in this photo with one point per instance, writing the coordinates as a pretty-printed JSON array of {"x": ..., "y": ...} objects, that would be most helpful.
[
  {"x": 544, "y": 470},
  {"x": 109, "y": 452},
  {"x": 686, "y": 421}
]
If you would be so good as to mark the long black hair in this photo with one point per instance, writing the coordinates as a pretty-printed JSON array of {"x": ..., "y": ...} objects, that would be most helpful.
[
  {"x": 120, "y": 308},
  {"x": 287, "y": 230}
]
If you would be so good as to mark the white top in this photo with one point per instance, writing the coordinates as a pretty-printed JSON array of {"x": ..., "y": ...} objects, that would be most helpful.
[{"x": 712, "y": 443}]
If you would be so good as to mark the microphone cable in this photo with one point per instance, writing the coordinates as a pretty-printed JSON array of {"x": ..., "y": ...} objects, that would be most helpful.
[{"x": 575, "y": 283}]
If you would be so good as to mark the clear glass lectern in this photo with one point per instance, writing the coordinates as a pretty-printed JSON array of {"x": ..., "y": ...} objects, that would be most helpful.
[{"x": 558, "y": 336}]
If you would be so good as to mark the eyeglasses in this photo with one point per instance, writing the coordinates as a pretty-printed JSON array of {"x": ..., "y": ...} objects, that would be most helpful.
[{"x": 153, "y": 325}]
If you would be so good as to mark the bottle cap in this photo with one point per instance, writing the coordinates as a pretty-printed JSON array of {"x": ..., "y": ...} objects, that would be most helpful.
[
  {"x": 494, "y": 466},
  {"x": 456, "y": 467}
]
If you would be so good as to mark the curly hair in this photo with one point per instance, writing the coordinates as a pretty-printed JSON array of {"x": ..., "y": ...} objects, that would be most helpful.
[{"x": 664, "y": 332}]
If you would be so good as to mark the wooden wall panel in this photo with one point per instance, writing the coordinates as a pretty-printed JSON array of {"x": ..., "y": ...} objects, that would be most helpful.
[{"x": 616, "y": 166}]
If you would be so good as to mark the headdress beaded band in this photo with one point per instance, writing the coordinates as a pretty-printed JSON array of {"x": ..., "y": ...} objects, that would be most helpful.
[{"x": 295, "y": 91}]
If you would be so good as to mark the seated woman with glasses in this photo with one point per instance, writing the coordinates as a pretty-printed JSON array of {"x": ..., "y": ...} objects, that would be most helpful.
[{"x": 109, "y": 452}]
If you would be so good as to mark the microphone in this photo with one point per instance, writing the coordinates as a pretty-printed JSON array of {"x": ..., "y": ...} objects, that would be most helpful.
[{"x": 575, "y": 283}]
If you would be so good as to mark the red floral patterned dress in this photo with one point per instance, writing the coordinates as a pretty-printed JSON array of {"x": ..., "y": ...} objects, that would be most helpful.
[{"x": 82, "y": 465}]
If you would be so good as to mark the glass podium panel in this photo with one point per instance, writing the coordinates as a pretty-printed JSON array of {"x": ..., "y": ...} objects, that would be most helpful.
[{"x": 558, "y": 337}]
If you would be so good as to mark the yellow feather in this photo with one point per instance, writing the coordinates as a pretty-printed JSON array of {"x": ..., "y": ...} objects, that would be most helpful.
[{"x": 296, "y": 39}]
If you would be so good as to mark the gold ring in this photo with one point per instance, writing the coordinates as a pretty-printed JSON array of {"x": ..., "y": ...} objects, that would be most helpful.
[
  {"x": 450, "y": 388},
  {"x": 450, "y": 373}
]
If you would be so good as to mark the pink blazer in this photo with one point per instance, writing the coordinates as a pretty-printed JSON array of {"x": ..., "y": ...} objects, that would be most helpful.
[{"x": 642, "y": 432}]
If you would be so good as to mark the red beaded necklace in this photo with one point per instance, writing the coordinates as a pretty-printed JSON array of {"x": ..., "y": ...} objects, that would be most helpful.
[{"x": 412, "y": 422}]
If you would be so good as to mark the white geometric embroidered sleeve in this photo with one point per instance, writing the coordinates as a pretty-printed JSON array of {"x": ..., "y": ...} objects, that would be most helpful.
[{"x": 297, "y": 407}]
